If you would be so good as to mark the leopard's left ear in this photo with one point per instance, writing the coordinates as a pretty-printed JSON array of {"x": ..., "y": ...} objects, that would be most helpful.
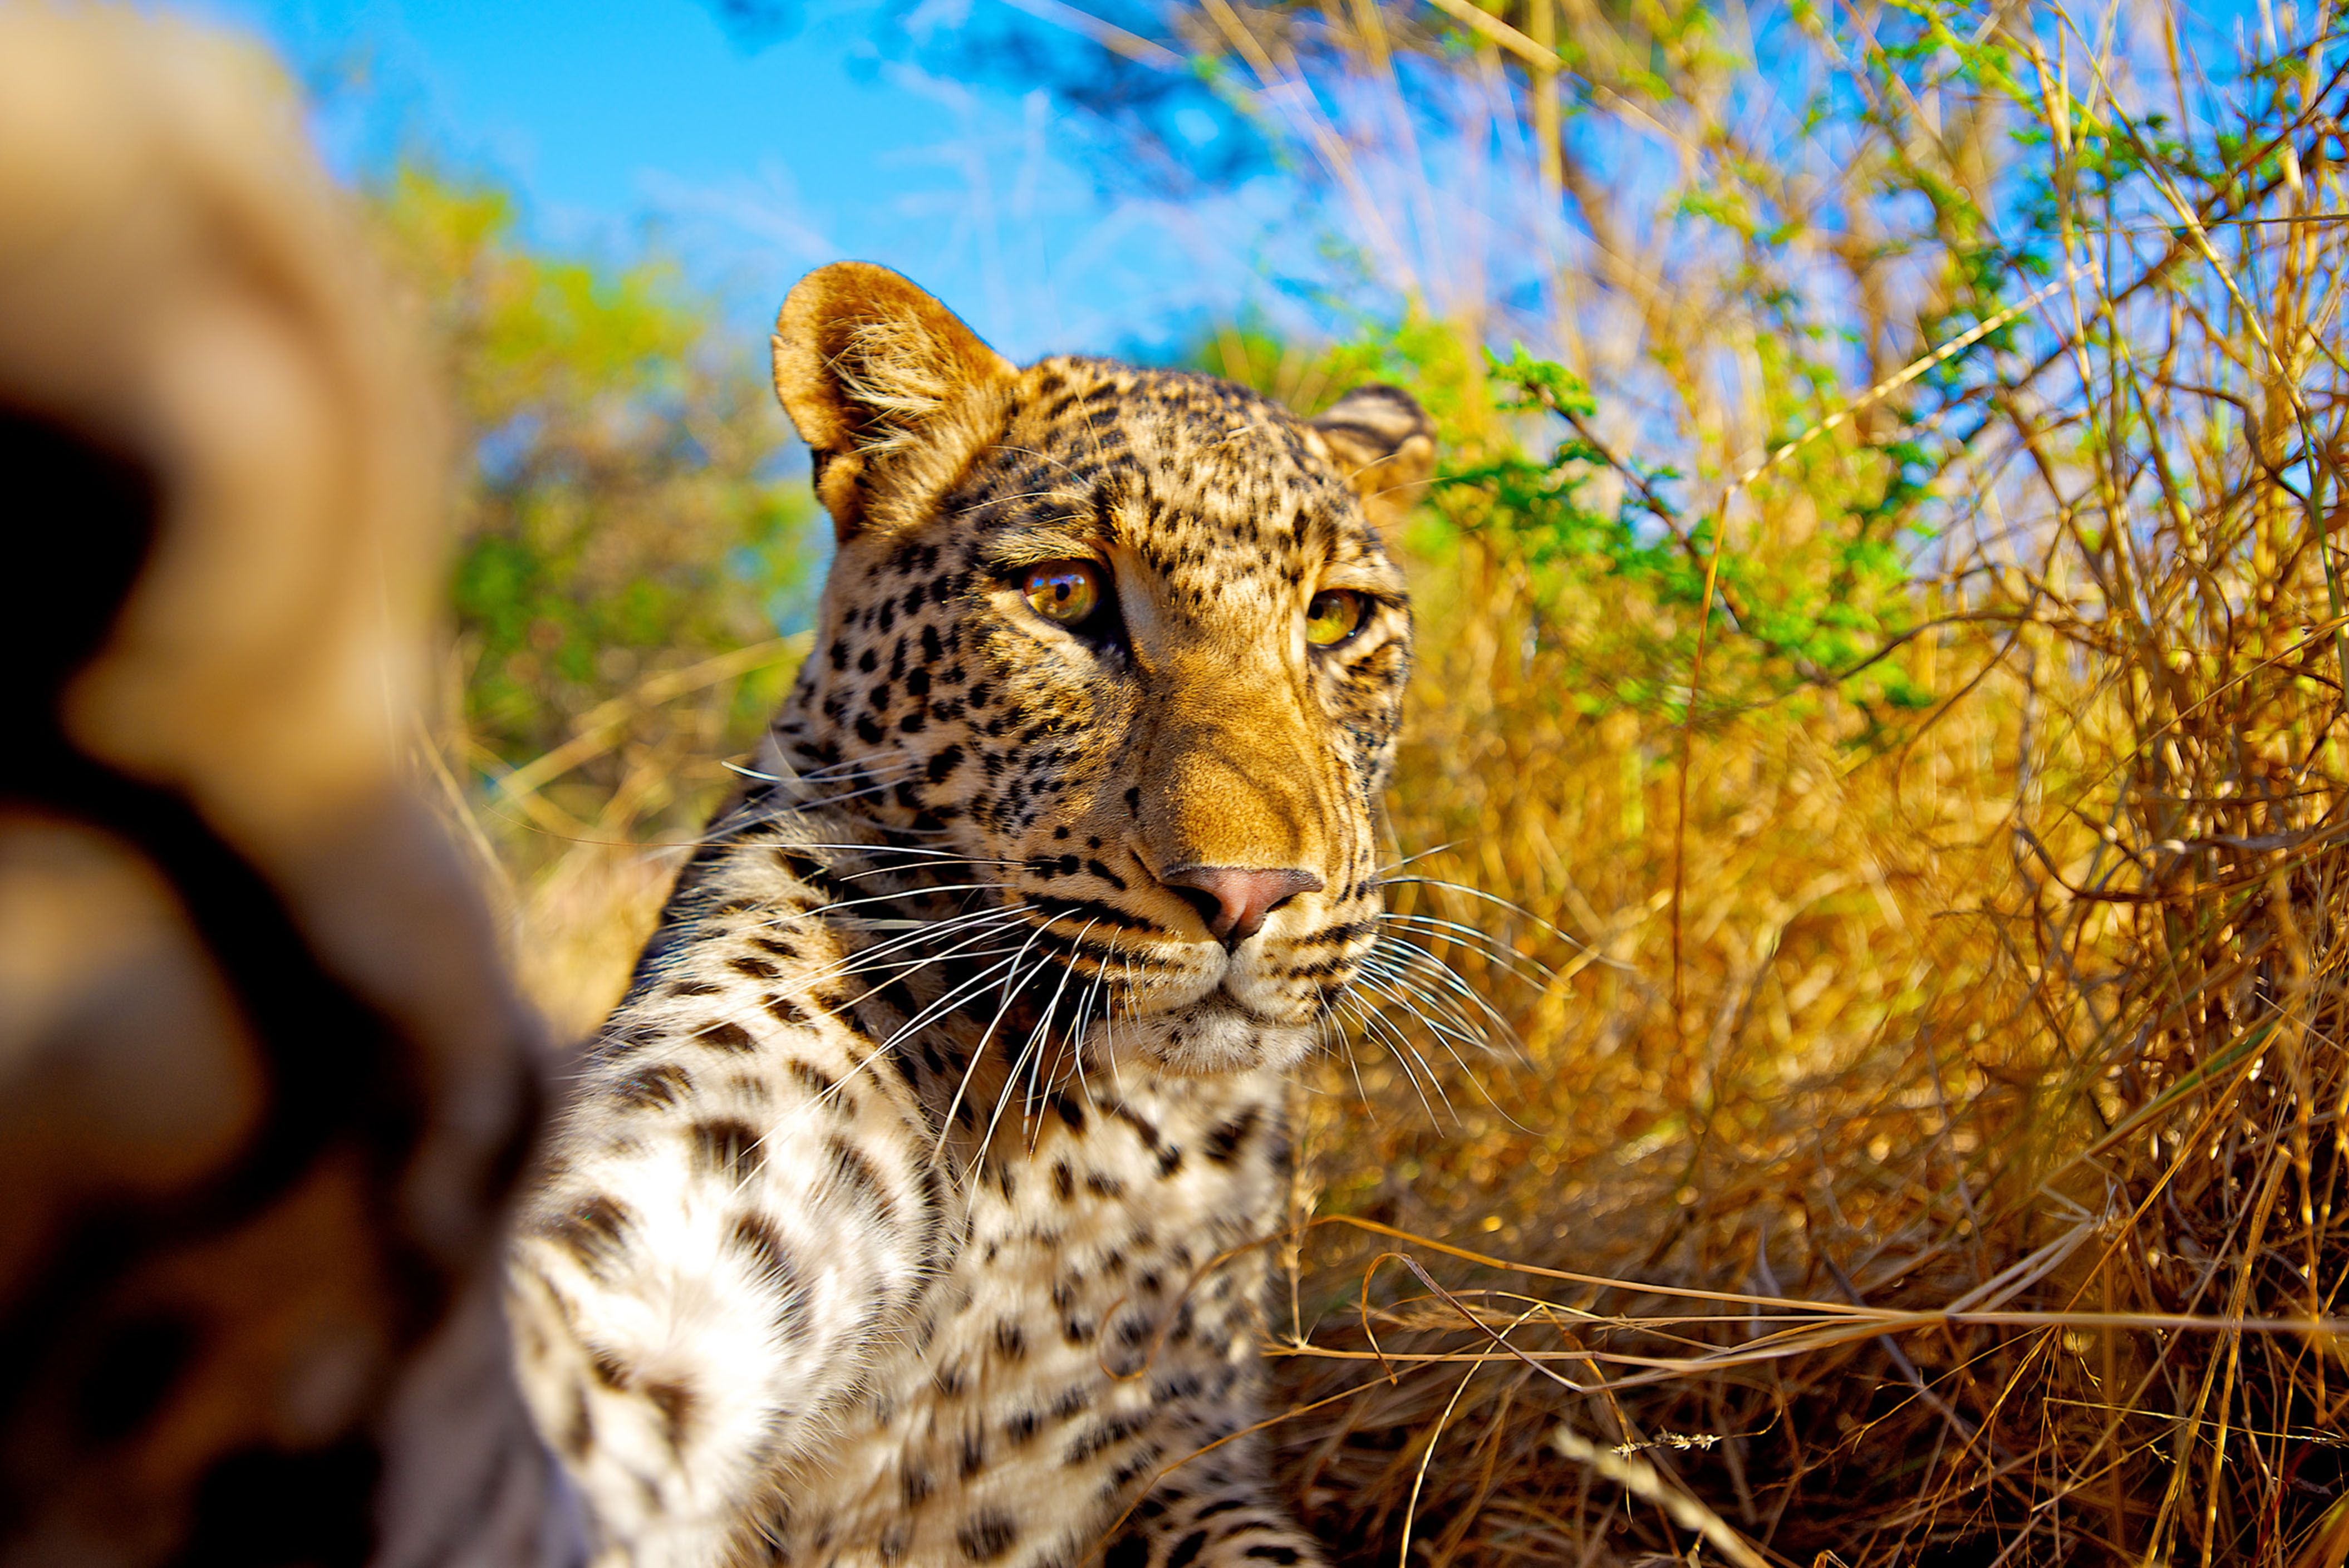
[
  {"x": 1383, "y": 444},
  {"x": 866, "y": 363}
]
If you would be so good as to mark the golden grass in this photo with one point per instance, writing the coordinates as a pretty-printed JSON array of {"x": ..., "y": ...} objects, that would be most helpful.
[{"x": 2011, "y": 1142}]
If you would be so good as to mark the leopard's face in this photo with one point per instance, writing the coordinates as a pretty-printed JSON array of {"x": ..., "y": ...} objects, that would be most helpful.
[{"x": 1125, "y": 645}]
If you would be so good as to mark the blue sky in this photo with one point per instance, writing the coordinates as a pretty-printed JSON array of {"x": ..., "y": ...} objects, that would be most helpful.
[{"x": 754, "y": 165}]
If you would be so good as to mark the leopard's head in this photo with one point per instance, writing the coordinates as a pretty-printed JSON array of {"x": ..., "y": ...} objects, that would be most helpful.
[{"x": 1124, "y": 640}]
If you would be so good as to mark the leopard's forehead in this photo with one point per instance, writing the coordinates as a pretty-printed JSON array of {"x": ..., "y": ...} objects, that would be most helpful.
[{"x": 1208, "y": 481}]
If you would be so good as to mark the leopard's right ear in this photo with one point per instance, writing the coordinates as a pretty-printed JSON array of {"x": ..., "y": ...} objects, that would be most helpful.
[{"x": 866, "y": 364}]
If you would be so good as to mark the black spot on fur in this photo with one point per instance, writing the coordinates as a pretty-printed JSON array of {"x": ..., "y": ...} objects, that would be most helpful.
[
  {"x": 756, "y": 1237},
  {"x": 1103, "y": 1435},
  {"x": 813, "y": 1077},
  {"x": 986, "y": 1535},
  {"x": 725, "y": 1036},
  {"x": 727, "y": 1147},
  {"x": 675, "y": 1402},
  {"x": 578, "y": 1436},
  {"x": 1224, "y": 1142},
  {"x": 855, "y": 1170},
  {"x": 591, "y": 1230},
  {"x": 650, "y": 1088}
]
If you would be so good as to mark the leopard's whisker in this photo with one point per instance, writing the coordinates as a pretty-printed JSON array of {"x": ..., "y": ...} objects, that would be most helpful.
[
  {"x": 925, "y": 960},
  {"x": 899, "y": 897},
  {"x": 947, "y": 1002},
  {"x": 1420, "y": 961},
  {"x": 1409, "y": 860},
  {"x": 952, "y": 998},
  {"x": 1029, "y": 1051},
  {"x": 1445, "y": 1036},
  {"x": 978, "y": 1051},
  {"x": 1369, "y": 1019},
  {"x": 972, "y": 934},
  {"x": 941, "y": 863},
  {"x": 1034, "y": 1054},
  {"x": 787, "y": 797},
  {"x": 1074, "y": 1045},
  {"x": 1326, "y": 1026},
  {"x": 1414, "y": 970},
  {"x": 847, "y": 963},
  {"x": 1134, "y": 1015},
  {"x": 1491, "y": 947},
  {"x": 1374, "y": 990},
  {"x": 1438, "y": 1014},
  {"x": 814, "y": 775},
  {"x": 977, "y": 984},
  {"x": 1512, "y": 905}
]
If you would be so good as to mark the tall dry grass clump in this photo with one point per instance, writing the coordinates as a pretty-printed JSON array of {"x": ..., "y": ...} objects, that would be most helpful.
[{"x": 1868, "y": 1086}]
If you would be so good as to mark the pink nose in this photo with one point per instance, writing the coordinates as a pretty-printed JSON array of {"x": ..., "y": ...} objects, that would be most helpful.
[{"x": 1235, "y": 899}]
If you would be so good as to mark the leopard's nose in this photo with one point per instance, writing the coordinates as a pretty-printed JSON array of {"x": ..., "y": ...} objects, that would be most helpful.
[{"x": 1235, "y": 899}]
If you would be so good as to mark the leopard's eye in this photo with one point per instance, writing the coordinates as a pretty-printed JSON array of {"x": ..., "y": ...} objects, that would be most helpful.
[
  {"x": 1334, "y": 615},
  {"x": 1066, "y": 593}
]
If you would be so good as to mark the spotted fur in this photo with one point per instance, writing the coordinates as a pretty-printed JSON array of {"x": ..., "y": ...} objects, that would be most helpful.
[{"x": 912, "y": 1204}]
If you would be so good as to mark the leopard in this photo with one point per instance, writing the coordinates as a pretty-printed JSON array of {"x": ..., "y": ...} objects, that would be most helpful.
[{"x": 915, "y": 1205}]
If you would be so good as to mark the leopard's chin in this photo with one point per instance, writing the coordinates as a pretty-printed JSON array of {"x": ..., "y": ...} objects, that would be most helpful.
[{"x": 1214, "y": 1035}]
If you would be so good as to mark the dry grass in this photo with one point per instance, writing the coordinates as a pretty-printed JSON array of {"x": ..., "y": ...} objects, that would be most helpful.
[
  {"x": 1929, "y": 1223},
  {"x": 1927, "y": 1148},
  {"x": 1922, "y": 1147}
]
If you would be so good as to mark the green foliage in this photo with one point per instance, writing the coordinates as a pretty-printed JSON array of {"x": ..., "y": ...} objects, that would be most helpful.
[
  {"x": 1614, "y": 564},
  {"x": 1615, "y": 569},
  {"x": 623, "y": 510}
]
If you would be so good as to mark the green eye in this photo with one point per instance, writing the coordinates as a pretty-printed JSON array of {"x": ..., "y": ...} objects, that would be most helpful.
[
  {"x": 1335, "y": 615},
  {"x": 1064, "y": 591}
]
